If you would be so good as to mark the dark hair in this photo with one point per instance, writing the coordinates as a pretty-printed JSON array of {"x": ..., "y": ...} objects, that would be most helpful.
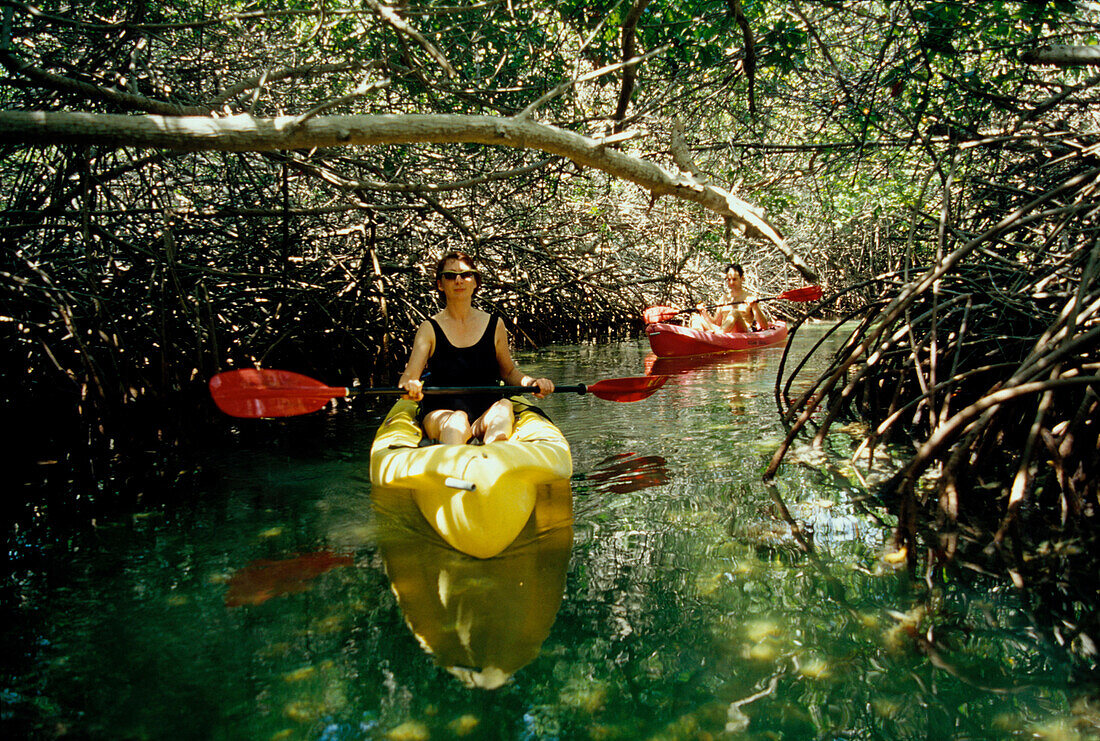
[
  {"x": 461, "y": 257},
  {"x": 735, "y": 267}
]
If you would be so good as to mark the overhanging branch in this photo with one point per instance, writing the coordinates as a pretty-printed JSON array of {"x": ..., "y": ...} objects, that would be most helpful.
[{"x": 244, "y": 133}]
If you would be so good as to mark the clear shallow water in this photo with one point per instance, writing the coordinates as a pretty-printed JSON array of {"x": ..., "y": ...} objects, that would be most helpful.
[{"x": 285, "y": 599}]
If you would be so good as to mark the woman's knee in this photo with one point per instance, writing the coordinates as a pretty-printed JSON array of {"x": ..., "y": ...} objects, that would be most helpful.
[
  {"x": 499, "y": 414},
  {"x": 448, "y": 427},
  {"x": 456, "y": 422},
  {"x": 496, "y": 423}
]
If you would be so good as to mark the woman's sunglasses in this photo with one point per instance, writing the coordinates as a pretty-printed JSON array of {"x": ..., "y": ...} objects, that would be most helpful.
[{"x": 453, "y": 275}]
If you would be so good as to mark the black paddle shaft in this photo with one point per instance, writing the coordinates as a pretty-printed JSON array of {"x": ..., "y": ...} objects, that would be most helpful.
[{"x": 456, "y": 390}]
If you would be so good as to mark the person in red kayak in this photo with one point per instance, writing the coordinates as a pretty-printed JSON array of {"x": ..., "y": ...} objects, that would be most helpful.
[
  {"x": 737, "y": 310},
  {"x": 464, "y": 346}
]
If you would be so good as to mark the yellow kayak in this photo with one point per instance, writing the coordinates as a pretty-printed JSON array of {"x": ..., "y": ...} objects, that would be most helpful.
[{"x": 477, "y": 497}]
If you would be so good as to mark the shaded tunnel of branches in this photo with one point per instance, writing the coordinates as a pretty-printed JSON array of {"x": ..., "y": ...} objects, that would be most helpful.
[
  {"x": 127, "y": 278},
  {"x": 147, "y": 290}
]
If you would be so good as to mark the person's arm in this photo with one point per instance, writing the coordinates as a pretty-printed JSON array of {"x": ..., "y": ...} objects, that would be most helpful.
[
  {"x": 423, "y": 344},
  {"x": 511, "y": 374}
]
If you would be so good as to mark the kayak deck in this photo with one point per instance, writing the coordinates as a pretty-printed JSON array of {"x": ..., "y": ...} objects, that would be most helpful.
[
  {"x": 477, "y": 497},
  {"x": 675, "y": 341}
]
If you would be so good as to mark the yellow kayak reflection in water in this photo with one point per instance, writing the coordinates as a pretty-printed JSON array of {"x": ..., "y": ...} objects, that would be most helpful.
[{"x": 482, "y": 619}]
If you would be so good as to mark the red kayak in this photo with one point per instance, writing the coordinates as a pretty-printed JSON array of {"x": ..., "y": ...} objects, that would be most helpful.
[{"x": 674, "y": 341}]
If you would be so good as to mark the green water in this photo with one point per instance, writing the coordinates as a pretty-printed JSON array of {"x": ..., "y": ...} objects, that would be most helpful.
[{"x": 674, "y": 605}]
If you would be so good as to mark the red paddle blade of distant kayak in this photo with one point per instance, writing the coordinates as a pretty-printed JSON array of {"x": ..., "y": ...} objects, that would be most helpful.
[
  {"x": 807, "y": 293},
  {"x": 627, "y": 389},
  {"x": 659, "y": 314},
  {"x": 257, "y": 392}
]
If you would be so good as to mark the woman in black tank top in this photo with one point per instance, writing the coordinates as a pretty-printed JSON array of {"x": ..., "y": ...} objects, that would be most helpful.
[
  {"x": 464, "y": 346},
  {"x": 475, "y": 365}
]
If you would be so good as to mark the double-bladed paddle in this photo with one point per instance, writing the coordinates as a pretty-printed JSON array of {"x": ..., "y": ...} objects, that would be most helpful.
[
  {"x": 260, "y": 392},
  {"x": 658, "y": 314}
]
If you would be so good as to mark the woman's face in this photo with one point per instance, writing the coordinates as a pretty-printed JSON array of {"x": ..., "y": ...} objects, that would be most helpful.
[{"x": 458, "y": 278}]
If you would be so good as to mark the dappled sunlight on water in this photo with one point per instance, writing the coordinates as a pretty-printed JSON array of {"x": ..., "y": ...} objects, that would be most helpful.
[{"x": 669, "y": 593}]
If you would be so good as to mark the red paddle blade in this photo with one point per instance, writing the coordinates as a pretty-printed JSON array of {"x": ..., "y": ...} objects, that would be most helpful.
[
  {"x": 627, "y": 389},
  {"x": 658, "y": 314},
  {"x": 807, "y": 293},
  {"x": 257, "y": 392}
]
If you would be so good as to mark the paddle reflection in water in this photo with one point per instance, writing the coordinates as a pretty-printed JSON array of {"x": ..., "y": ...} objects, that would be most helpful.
[
  {"x": 624, "y": 473},
  {"x": 736, "y": 372},
  {"x": 266, "y": 578},
  {"x": 481, "y": 619}
]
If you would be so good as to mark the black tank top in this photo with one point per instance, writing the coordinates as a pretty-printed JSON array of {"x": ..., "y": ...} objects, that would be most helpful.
[{"x": 475, "y": 365}]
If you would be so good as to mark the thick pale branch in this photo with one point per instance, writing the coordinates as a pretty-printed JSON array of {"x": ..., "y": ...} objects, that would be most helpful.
[
  {"x": 1063, "y": 55},
  {"x": 245, "y": 133}
]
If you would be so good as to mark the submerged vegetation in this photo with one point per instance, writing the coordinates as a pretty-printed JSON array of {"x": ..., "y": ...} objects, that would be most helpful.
[{"x": 933, "y": 162}]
